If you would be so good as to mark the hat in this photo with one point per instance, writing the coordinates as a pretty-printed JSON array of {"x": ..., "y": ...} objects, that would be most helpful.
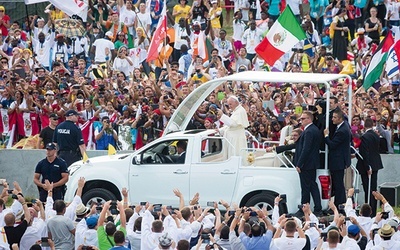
[
  {"x": 91, "y": 221},
  {"x": 353, "y": 230},
  {"x": 70, "y": 112},
  {"x": 360, "y": 31},
  {"x": 54, "y": 116},
  {"x": 109, "y": 34},
  {"x": 2, "y": 8},
  {"x": 40, "y": 19},
  {"x": 81, "y": 210},
  {"x": 393, "y": 223},
  {"x": 209, "y": 120},
  {"x": 49, "y": 92},
  {"x": 214, "y": 1},
  {"x": 51, "y": 146},
  {"x": 195, "y": 226},
  {"x": 59, "y": 35},
  {"x": 386, "y": 231},
  {"x": 165, "y": 241},
  {"x": 214, "y": 106}
]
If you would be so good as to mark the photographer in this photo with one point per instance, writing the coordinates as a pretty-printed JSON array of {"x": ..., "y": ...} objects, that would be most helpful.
[{"x": 105, "y": 135}]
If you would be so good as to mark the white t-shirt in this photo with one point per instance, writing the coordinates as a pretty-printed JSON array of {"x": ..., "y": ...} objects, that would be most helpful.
[
  {"x": 100, "y": 52},
  {"x": 238, "y": 30},
  {"x": 42, "y": 50},
  {"x": 294, "y": 5},
  {"x": 285, "y": 243},
  {"x": 252, "y": 38},
  {"x": 223, "y": 47},
  {"x": 144, "y": 19},
  {"x": 37, "y": 30},
  {"x": 127, "y": 17}
]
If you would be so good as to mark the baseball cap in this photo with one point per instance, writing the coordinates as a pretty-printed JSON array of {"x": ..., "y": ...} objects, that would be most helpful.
[
  {"x": 70, "y": 112},
  {"x": 91, "y": 221},
  {"x": 109, "y": 34},
  {"x": 54, "y": 116},
  {"x": 51, "y": 146},
  {"x": 353, "y": 230},
  {"x": 2, "y": 8},
  {"x": 49, "y": 92}
]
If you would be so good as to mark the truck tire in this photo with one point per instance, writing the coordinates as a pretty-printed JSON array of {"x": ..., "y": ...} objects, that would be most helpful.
[
  {"x": 261, "y": 200},
  {"x": 97, "y": 194}
]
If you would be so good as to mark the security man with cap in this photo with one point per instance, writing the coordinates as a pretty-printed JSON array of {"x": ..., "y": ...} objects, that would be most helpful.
[
  {"x": 55, "y": 171},
  {"x": 68, "y": 138}
]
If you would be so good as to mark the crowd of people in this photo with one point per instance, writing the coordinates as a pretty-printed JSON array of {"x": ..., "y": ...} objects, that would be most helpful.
[
  {"x": 103, "y": 81},
  {"x": 103, "y": 74},
  {"x": 122, "y": 225}
]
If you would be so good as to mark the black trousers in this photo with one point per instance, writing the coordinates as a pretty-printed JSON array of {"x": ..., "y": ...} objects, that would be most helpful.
[
  {"x": 338, "y": 189},
  {"x": 58, "y": 193},
  {"x": 70, "y": 156},
  {"x": 308, "y": 185},
  {"x": 374, "y": 186}
]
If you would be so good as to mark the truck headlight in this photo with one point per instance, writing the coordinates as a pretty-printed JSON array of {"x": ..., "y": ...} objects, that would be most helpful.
[{"x": 73, "y": 168}]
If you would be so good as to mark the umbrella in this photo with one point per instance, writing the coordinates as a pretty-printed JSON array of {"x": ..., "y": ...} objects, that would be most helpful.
[{"x": 70, "y": 27}]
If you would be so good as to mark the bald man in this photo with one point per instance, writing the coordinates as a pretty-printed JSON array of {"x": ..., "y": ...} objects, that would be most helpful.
[{"x": 234, "y": 126}]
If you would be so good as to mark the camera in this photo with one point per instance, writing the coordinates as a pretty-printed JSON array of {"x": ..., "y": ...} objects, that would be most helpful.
[
  {"x": 385, "y": 215},
  {"x": 283, "y": 197},
  {"x": 45, "y": 241},
  {"x": 113, "y": 208},
  {"x": 300, "y": 206}
]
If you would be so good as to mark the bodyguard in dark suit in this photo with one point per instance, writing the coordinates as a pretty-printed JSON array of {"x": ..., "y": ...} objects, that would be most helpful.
[
  {"x": 306, "y": 160},
  {"x": 369, "y": 150},
  {"x": 339, "y": 156}
]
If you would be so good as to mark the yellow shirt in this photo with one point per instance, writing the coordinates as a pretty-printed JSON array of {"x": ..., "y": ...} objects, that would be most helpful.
[
  {"x": 215, "y": 23},
  {"x": 56, "y": 14},
  {"x": 184, "y": 12}
]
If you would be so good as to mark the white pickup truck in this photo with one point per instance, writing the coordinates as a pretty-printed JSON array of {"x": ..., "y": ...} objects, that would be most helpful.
[{"x": 254, "y": 178}]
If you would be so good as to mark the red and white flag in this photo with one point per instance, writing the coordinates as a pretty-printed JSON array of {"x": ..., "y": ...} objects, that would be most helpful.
[
  {"x": 87, "y": 134},
  {"x": 72, "y": 7},
  {"x": 27, "y": 124},
  {"x": 7, "y": 126},
  {"x": 159, "y": 35}
]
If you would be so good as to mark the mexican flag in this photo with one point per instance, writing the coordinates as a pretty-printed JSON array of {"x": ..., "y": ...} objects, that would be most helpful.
[
  {"x": 283, "y": 35},
  {"x": 377, "y": 62}
]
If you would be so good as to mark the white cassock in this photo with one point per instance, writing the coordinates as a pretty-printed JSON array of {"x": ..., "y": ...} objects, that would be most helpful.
[{"x": 233, "y": 130}]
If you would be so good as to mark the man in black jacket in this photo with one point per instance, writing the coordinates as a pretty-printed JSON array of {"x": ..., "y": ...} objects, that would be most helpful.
[
  {"x": 339, "y": 155},
  {"x": 306, "y": 160},
  {"x": 370, "y": 162}
]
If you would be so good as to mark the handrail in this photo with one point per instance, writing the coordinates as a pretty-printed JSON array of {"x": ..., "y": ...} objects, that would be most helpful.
[{"x": 291, "y": 163}]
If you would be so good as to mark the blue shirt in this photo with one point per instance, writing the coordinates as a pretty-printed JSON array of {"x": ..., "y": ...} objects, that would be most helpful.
[{"x": 256, "y": 243}]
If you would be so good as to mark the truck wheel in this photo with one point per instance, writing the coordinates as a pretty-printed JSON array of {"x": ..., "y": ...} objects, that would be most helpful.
[
  {"x": 262, "y": 200},
  {"x": 97, "y": 195}
]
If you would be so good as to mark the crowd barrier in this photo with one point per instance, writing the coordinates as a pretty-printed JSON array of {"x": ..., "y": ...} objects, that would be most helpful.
[{"x": 19, "y": 165}]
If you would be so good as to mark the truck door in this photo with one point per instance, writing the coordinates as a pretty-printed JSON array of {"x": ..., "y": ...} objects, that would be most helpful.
[
  {"x": 213, "y": 175},
  {"x": 158, "y": 170}
]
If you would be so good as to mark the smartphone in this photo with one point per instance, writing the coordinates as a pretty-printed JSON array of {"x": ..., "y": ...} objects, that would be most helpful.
[
  {"x": 300, "y": 206},
  {"x": 210, "y": 204},
  {"x": 347, "y": 218},
  {"x": 157, "y": 208},
  {"x": 321, "y": 226},
  {"x": 143, "y": 203},
  {"x": 10, "y": 191},
  {"x": 195, "y": 207},
  {"x": 312, "y": 224},
  {"x": 253, "y": 213},
  {"x": 45, "y": 241},
  {"x": 283, "y": 197},
  {"x": 33, "y": 201},
  {"x": 169, "y": 207},
  {"x": 205, "y": 238},
  {"x": 231, "y": 212},
  {"x": 324, "y": 235}
]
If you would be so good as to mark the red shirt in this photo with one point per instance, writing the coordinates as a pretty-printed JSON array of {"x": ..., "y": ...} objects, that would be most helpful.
[{"x": 4, "y": 30}]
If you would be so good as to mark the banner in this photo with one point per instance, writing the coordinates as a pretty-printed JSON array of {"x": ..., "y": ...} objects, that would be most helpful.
[
  {"x": 71, "y": 7},
  {"x": 27, "y": 2}
]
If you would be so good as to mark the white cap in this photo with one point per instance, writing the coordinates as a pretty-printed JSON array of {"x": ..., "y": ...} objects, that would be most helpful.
[
  {"x": 109, "y": 34},
  {"x": 49, "y": 92}
]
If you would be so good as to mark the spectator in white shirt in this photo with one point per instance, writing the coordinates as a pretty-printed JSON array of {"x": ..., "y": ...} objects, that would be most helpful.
[
  {"x": 152, "y": 230},
  {"x": 251, "y": 38},
  {"x": 288, "y": 240},
  {"x": 36, "y": 227}
]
